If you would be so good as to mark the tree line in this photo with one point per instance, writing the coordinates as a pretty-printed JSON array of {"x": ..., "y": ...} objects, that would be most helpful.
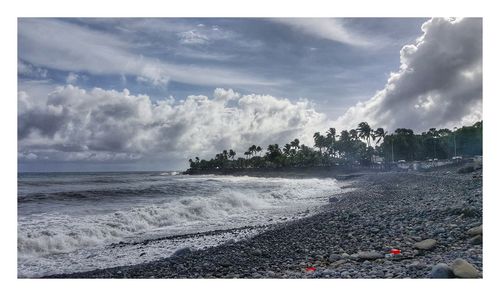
[{"x": 362, "y": 146}]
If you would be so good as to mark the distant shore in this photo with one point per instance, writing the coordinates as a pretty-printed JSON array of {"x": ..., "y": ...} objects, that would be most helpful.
[
  {"x": 427, "y": 216},
  {"x": 287, "y": 172},
  {"x": 329, "y": 171}
]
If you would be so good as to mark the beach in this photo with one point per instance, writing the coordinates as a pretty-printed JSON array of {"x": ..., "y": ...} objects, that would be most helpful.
[{"x": 388, "y": 225}]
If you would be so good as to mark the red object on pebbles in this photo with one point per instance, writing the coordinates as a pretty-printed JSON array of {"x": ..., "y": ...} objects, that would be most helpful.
[
  {"x": 395, "y": 251},
  {"x": 311, "y": 269}
]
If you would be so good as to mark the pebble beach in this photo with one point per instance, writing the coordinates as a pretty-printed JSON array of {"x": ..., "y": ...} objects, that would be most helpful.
[{"x": 390, "y": 225}]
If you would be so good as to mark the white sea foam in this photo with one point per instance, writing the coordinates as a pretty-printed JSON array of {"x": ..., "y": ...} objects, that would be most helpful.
[
  {"x": 64, "y": 233},
  {"x": 229, "y": 202},
  {"x": 169, "y": 174}
]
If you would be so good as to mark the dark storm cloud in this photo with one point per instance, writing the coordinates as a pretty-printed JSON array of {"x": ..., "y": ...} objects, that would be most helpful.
[
  {"x": 47, "y": 122},
  {"x": 439, "y": 83}
]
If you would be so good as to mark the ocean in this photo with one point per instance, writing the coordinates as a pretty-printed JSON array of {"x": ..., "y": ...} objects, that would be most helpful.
[{"x": 70, "y": 222}]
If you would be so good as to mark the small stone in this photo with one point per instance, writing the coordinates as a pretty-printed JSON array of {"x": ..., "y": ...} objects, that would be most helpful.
[
  {"x": 416, "y": 265},
  {"x": 225, "y": 263},
  {"x": 379, "y": 274},
  {"x": 370, "y": 255},
  {"x": 181, "y": 252},
  {"x": 256, "y": 252},
  {"x": 464, "y": 269},
  {"x": 354, "y": 257},
  {"x": 338, "y": 263},
  {"x": 207, "y": 265},
  {"x": 334, "y": 257},
  {"x": 333, "y": 199},
  {"x": 439, "y": 231},
  {"x": 475, "y": 231},
  {"x": 345, "y": 255},
  {"x": 441, "y": 271},
  {"x": 477, "y": 240},
  {"x": 426, "y": 244}
]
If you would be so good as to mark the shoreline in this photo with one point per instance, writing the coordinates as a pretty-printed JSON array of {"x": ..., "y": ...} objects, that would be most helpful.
[
  {"x": 287, "y": 172},
  {"x": 349, "y": 238}
]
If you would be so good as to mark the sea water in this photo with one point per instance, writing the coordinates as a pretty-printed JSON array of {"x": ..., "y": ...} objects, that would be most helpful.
[{"x": 70, "y": 222}]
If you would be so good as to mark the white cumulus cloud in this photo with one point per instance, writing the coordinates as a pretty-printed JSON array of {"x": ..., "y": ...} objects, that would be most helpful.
[
  {"x": 73, "y": 124},
  {"x": 72, "y": 78}
]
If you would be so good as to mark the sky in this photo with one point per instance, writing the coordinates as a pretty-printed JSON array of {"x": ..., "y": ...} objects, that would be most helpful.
[{"x": 148, "y": 94}]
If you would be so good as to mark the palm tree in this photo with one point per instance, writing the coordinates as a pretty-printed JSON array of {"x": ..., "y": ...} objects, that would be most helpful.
[
  {"x": 365, "y": 131},
  {"x": 273, "y": 153},
  {"x": 258, "y": 149},
  {"x": 379, "y": 134},
  {"x": 252, "y": 149},
  {"x": 345, "y": 136},
  {"x": 273, "y": 148},
  {"x": 319, "y": 141},
  {"x": 330, "y": 135},
  {"x": 232, "y": 154},
  {"x": 345, "y": 141},
  {"x": 287, "y": 148},
  {"x": 353, "y": 134}
]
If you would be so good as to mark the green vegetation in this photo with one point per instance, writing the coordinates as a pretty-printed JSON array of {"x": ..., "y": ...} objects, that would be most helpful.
[{"x": 363, "y": 146}]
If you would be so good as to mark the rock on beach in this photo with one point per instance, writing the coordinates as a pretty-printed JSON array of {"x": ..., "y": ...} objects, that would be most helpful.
[
  {"x": 441, "y": 271},
  {"x": 181, "y": 252},
  {"x": 477, "y": 240},
  {"x": 427, "y": 244},
  {"x": 370, "y": 255},
  {"x": 464, "y": 269},
  {"x": 475, "y": 231}
]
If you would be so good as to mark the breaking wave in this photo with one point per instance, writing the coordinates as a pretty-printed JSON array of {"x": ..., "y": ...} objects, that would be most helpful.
[{"x": 217, "y": 202}]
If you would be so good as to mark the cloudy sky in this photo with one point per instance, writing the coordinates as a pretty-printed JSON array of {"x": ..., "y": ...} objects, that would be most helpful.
[{"x": 147, "y": 94}]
